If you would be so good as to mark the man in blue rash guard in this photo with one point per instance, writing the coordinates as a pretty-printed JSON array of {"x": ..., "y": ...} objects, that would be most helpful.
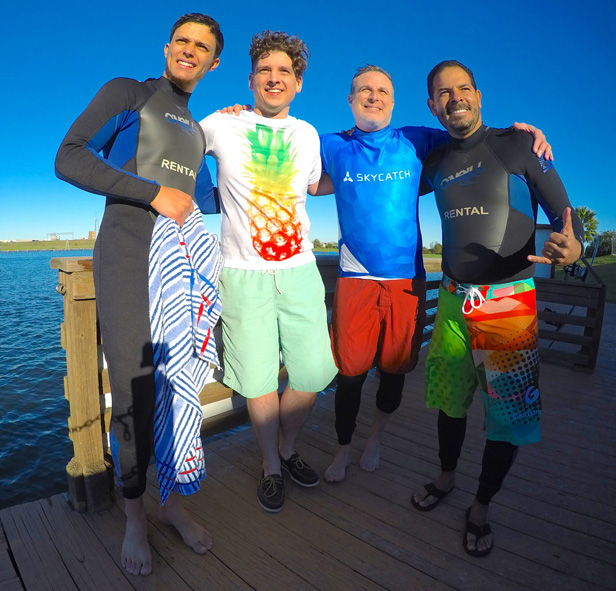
[
  {"x": 378, "y": 306},
  {"x": 152, "y": 162},
  {"x": 488, "y": 186}
]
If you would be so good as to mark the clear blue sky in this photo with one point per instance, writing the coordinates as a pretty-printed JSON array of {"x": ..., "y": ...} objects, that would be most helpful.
[{"x": 550, "y": 63}]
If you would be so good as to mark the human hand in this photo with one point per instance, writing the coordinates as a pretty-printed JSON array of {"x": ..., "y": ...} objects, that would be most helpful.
[
  {"x": 349, "y": 132},
  {"x": 561, "y": 248},
  {"x": 174, "y": 204},
  {"x": 235, "y": 109},
  {"x": 540, "y": 145}
]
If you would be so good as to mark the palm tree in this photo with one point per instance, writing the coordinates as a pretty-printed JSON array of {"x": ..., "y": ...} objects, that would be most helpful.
[{"x": 589, "y": 221}]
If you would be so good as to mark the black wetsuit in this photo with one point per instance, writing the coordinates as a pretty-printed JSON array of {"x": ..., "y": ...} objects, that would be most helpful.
[
  {"x": 488, "y": 188},
  {"x": 148, "y": 139}
]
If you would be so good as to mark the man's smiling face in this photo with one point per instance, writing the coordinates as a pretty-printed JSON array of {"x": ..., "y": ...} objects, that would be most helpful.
[
  {"x": 274, "y": 84},
  {"x": 372, "y": 101},
  {"x": 456, "y": 102},
  {"x": 190, "y": 55}
]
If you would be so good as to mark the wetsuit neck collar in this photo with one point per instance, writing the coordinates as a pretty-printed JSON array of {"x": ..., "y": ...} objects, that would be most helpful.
[
  {"x": 179, "y": 95},
  {"x": 373, "y": 134},
  {"x": 471, "y": 141}
]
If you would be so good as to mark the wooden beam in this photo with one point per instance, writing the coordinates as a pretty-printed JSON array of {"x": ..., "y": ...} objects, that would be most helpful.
[{"x": 82, "y": 390}]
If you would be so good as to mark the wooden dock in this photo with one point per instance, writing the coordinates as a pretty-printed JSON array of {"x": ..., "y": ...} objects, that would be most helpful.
[{"x": 554, "y": 522}]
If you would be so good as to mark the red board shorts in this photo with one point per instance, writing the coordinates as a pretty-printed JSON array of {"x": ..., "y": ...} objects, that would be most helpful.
[{"x": 377, "y": 321}]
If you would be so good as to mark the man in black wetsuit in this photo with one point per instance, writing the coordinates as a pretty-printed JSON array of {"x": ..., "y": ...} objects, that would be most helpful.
[
  {"x": 487, "y": 184},
  {"x": 152, "y": 162}
]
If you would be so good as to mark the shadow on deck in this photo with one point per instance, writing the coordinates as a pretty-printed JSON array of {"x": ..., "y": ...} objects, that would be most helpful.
[{"x": 554, "y": 522}]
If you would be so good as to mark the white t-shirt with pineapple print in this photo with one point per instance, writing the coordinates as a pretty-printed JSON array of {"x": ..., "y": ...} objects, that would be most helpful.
[{"x": 264, "y": 168}]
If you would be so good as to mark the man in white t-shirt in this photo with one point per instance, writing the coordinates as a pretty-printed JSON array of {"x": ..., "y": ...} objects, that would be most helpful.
[{"x": 272, "y": 293}]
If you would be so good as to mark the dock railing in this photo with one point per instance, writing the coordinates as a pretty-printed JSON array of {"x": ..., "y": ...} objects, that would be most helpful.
[{"x": 86, "y": 385}]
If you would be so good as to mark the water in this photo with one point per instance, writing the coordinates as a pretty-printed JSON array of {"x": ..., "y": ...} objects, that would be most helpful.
[{"x": 34, "y": 443}]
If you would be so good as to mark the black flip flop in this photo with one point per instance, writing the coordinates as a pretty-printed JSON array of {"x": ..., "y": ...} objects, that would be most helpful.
[
  {"x": 479, "y": 531},
  {"x": 434, "y": 492}
]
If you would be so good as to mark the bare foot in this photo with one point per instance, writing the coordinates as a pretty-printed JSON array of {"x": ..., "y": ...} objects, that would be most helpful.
[
  {"x": 369, "y": 461},
  {"x": 337, "y": 469},
  {"x": 136, "y": 556},
  {"x": 194, "y": 535}
]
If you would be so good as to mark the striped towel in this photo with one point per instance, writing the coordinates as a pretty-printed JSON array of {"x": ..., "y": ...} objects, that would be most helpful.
[{"x": 184, "y": 267}]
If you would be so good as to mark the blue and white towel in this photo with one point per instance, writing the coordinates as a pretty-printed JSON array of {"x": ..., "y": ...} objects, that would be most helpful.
[{"x": 184, "y": 267}]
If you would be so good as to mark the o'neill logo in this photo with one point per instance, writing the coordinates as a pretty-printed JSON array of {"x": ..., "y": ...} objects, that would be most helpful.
[
  {"x": 531, "y": 395},
  {"x": 347, "y": 178},
  {"x": 184, "y": 124},
  {"x": 467, "y": 176},
  {"x": 169, "y": 164}
]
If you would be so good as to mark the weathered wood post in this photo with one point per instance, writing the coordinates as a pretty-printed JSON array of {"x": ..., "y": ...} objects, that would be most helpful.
[{"x": 89, "y": 476}]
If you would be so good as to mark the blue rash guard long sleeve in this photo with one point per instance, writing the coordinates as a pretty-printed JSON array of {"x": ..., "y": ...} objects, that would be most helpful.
[{"x": 376, "y": 179}]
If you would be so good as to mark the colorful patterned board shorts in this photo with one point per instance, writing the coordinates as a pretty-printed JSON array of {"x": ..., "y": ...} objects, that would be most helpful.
[{"x": 486, "y": 335}]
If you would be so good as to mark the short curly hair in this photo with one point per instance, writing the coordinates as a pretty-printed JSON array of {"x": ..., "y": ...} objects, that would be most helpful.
[{"x": 264, "y": 43}]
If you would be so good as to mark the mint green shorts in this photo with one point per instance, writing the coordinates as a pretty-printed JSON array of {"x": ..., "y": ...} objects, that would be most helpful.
[{"x": 269, "y": 314}]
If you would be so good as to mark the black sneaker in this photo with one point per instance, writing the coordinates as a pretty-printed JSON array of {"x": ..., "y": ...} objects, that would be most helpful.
[
  {"x": 299, "y": 471},
  {"x": 270, "y": 492}
]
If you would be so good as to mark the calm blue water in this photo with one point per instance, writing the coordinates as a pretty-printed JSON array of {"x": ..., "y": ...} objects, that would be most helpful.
[{"x": 34, "y": 444}]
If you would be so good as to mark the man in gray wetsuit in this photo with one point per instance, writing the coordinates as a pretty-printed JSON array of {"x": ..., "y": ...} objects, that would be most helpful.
[
  {"x": 488, "y": 187},
  {"x": 137, "y": 144}
]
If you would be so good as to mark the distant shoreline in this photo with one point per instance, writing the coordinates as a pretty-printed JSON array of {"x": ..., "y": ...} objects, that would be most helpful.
[
  {"x": 44, "y": 245},
  {"x": 432, "y": 263}
]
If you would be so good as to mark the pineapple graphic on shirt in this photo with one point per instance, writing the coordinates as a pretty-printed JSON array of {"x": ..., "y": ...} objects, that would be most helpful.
[{"x": 270, "y": 167}]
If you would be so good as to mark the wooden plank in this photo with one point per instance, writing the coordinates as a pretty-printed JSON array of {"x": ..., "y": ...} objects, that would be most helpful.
[
  {"x": 247, "y": 539},
  {"x": 568, "y": 299},
  {"x": 71, "y": 264},
  {"x": 592, "y": 548},
  {"x": 85, "y": 421},
  {"x": 83, "y": 387},
  {"x": 91, "y": 567},
  {"x": 213, "y": 392},
  {"x": 9, "y": 579},
  {"x": 565, "y": 337},
  {"x": 209, "y": 571},
  {"x": 437, "y": 551},
  {"x": 563, "y": 357},
  {"x": 431, "y": 303},
  {"x": 104, "y": 385},
  {"x": 83, "y": 286},
  {"x": 556, "y": 318},
  {"x": 597, "y": 315},
  {"x": 344, "y": 561},
  {"x": 545, "y": 286},
  {"x": 39, "y": 563},
  {"x": 224, "y": 421},
  {"x": 108, "y": 527}
]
